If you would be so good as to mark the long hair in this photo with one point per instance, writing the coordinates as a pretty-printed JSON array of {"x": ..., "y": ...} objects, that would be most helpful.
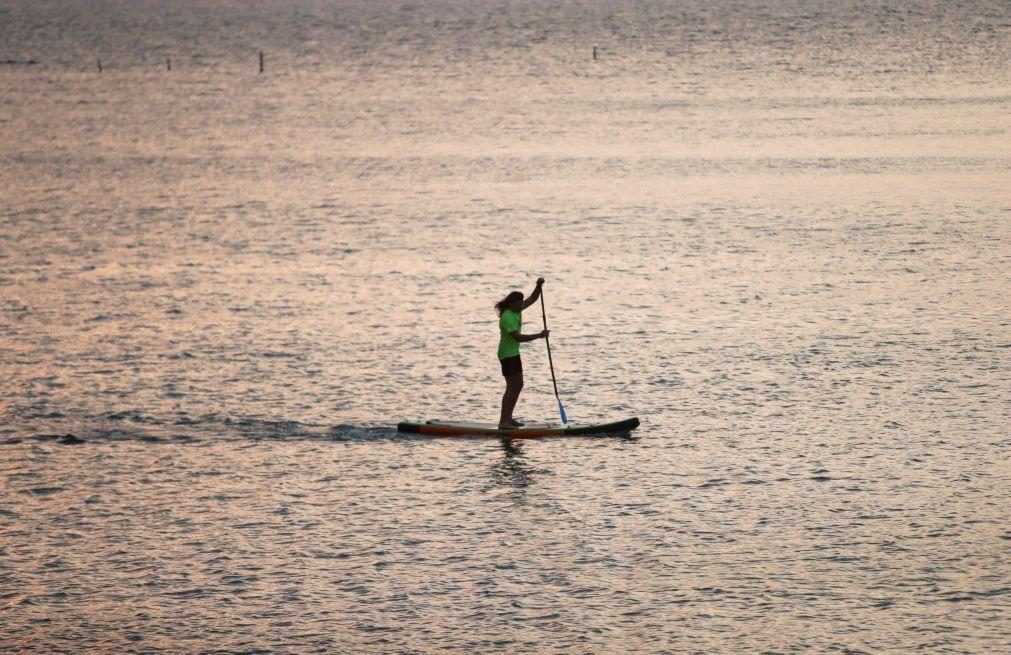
[{"x": 513, "y": 296}]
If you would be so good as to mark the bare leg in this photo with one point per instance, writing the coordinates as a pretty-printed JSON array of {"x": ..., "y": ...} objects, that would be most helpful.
[{"x": 514, "y": 384}]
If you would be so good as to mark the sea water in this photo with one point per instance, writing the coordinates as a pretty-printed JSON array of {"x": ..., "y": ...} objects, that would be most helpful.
[{"x": 775, "y": 231}]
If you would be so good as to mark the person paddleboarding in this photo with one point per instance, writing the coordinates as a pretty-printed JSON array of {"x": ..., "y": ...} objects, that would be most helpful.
[{"x": 510, "y": 321}]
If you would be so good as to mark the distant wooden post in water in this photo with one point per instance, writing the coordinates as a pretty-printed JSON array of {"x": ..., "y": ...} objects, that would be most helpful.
[
  {"x": 261, "y": 61},
  {"x": 594, "y": 53},
  {"x": 99, "y": 65},
  {"x": 168, "y": 63}
]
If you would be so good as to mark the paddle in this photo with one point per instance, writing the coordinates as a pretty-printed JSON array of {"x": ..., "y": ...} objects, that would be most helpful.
[{"x": 544, "y": 315}]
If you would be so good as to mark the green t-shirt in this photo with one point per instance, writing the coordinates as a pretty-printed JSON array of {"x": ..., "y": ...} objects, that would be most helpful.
[{"x": 510, "y": 321}]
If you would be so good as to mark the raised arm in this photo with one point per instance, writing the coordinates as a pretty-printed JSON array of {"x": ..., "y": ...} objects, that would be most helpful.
[{"x": 535, "y": 295}]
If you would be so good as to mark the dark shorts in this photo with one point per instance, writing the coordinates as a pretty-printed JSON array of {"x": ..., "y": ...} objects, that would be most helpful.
[{"x": 511, "y": 366}]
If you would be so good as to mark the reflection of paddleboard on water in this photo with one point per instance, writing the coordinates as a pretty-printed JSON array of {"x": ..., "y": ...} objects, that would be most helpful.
[{"x": 463, "y": 429}]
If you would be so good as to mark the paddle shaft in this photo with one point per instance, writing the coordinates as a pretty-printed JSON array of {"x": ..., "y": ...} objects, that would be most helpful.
[{"x": 544, "y": 316}]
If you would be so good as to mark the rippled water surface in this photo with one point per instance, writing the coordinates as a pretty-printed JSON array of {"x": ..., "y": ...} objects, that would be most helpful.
[{"x": 777, "y": 232}]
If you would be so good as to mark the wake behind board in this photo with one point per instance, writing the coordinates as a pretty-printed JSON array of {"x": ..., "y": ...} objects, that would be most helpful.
[{"x": 464, "y": 429}]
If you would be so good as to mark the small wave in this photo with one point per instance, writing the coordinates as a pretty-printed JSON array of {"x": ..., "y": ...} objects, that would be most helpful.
[
  {"x": 187, "y": 593},
  {"x": 43, "y": 491},
  {"x": 65, "y": 439},
  {"x": 44, "y": 415},
  {"x": 133, "y": 415}
]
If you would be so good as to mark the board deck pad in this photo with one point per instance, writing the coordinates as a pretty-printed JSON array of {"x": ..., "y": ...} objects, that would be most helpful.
[{"x": 470, "y": 429}]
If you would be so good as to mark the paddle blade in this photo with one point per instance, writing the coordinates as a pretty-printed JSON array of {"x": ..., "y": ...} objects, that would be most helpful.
[{"x": 561, "y": 410}]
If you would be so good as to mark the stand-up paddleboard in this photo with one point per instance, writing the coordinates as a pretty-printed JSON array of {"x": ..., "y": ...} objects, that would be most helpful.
[{"x": 462, "y": 429}]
